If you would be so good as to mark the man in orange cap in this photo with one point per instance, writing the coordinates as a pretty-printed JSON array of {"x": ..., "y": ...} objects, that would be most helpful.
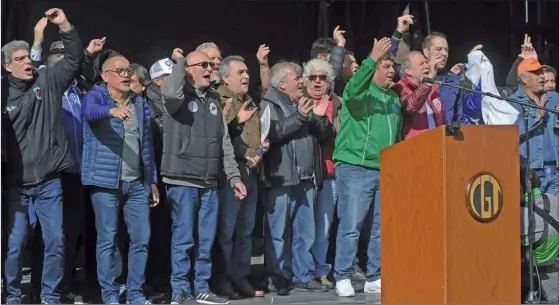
[{"x": 543, "y": 126}]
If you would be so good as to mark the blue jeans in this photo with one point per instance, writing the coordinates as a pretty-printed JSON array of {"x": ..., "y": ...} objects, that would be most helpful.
[
  {"x": 549, "y": 177},
  {"x": 358, "y": 192},
  {"x": 326, "y": 201},
  {"x": 46, "y": 199},
  {"x": 190, "y": 206},
  {"x": 290, "y": 236},
  {"x": 237, "y": 219},
  {"x": 133, "y": 199}
]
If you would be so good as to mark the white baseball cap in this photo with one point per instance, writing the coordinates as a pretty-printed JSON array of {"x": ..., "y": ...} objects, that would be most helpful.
[{"x": 161, "y": 67}]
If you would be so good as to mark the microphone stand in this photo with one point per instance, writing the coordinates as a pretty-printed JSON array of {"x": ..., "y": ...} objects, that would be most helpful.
[{"x": 532, "y": 297}]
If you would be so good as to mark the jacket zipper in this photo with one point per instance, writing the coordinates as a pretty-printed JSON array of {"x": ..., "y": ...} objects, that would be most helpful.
[
  {"x": 388, "y": 119},
  {"x": 206, "y": 137},
  {"x": 368, "y": 132}
]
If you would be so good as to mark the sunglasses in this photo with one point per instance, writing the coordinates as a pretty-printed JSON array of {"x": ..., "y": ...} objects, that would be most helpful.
[
  {"x": 313, "y": 78},
  {"x": 204, "y": 64}
]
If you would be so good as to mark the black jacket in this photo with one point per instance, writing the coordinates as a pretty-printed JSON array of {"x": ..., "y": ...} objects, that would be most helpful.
[
  {"x": 152, "y": 94},
  {"x": 32, "y": 118},
  {"x": 294, "y": 153}
]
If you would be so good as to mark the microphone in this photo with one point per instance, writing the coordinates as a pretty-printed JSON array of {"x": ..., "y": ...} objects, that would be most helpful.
[{"x": 427, "y": 80}]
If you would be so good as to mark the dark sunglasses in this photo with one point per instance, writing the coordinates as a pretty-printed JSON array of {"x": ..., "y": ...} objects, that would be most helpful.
[
  {"x": 122, "y": 71},
  {"x": 204, "y": 64},
  {"x": 313, "y": 78}
]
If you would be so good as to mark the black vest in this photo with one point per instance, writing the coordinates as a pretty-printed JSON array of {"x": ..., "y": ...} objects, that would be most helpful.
[{"x": 192, "y": 140}]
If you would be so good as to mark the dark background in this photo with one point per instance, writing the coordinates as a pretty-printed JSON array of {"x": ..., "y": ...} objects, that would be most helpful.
[{"x": 146, "y": 31}]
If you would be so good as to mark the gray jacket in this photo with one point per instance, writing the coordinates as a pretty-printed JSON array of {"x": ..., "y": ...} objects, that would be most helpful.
[
  {"x": 196, "y": 142},
  {"x": 294, "y": 153}
]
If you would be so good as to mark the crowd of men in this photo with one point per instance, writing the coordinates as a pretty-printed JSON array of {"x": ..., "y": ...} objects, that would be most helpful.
[{"x": 188, "y": 135}]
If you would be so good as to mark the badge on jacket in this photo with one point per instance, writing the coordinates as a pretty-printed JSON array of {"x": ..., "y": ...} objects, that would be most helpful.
[
  {"x": 213, "y": 108},
  {"x": 192, "y": 106},
  {"x": 437, "y": 104},
  {"x": 37, "y": 91}
]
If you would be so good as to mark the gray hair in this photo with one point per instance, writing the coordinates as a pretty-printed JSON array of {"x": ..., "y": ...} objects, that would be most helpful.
[
  {"x": 406, "y": 62},
  {"x": 519, "y": 81},
  {"x": 319, "y": 65},
  {"x": 548, "y": 69},
  {"x": 207, "y": 45},
  {"x": 11, "y": 47},
  {"x": 54, "y": 58},
  {"x": 279, "y": 71},
  {"x": 142, "y": 72},
  {"x": 224, "y": 66}
]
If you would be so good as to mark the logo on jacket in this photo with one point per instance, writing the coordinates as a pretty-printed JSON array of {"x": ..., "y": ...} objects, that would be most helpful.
[
  {"x": 213, "y": 108},
  {"x": 437, "y": 104},
  {"x": 192, "y": 106},
  {"x": 395, "y": 108},
  {"x": 37, "y": 91},
  {"x": 485, "y": 197}
]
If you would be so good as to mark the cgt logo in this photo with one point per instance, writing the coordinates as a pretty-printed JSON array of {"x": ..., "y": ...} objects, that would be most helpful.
[{"x": 485, "y": 197}]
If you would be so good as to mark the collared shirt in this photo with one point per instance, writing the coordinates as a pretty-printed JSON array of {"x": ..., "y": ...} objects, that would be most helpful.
[{"x": 130, "y": 168}]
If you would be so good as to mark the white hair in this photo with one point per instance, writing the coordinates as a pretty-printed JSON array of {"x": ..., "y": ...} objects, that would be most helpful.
[
  {"x": 279, "y": 71},
  {"x": 11, "y": 47},
  {"x": 207, "y": 45},
  {"x": 319, "y": 65},
  {"x": 520, "y": 77}
]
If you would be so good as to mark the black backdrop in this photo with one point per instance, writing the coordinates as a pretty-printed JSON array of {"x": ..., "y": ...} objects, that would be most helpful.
[{"x": 145, "y": 31}]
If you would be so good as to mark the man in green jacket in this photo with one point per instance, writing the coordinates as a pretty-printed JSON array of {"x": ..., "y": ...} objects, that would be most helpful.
[{"x": 370, "y": 121}]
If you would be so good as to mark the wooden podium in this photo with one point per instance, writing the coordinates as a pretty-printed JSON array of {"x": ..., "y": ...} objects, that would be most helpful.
[{"x": 450, "y": 218}]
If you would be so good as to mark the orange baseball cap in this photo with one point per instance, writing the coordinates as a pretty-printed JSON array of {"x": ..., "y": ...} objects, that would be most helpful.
[{"x": 529, "y": 65}]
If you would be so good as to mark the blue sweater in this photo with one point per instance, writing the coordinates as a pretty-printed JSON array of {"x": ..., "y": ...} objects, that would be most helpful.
[{"x": 103, "y": 138}]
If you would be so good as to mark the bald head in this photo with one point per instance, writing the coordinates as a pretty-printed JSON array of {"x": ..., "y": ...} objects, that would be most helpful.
[
  {"x": 112, "y": 62},
  {"x": 414, "y": 65},
  {"x": 116, "y": 73},
  {"x": 195, "y": 57},
  {"x": 199, "y": 69}
]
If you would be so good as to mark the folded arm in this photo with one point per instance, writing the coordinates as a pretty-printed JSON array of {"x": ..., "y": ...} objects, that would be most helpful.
[
  {"x": 93, "y": 107},
  {"x": 359, "y": 84}
]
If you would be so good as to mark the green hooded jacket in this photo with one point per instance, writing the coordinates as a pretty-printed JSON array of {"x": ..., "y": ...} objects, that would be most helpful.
[{"x": 370, "y": 120}]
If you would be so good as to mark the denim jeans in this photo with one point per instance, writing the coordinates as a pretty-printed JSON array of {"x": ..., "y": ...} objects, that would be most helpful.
[
  {"x": 358, "y": 192},
  {"x": 190, "y": 206},
  {"x": 46, "y": 199},
  {"x": 324, "y": 210},
  {"x": 133, "y": 199},
  {"x": 236, "y": 219},
  {"x": 549, "y": 177},
  {"x": 290, "y": 231}
]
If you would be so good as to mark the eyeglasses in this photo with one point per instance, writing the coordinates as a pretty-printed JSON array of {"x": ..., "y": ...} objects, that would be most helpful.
[
  {"x": 313, "y": 78},
  {"x": 203, "y": 64},
  {"x": 121, "y": 71}
]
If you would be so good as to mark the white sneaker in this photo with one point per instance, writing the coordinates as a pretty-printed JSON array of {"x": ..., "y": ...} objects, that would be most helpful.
[
  {"x": 344, "y": 288},
  {"x": 372, "y": 287}
]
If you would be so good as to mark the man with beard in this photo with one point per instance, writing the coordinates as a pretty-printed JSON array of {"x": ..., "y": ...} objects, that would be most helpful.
[
  {"x": 370, "y": 121},
  {"x": 213, "y": 52},
  {"x": 119, "y": 166},
  {"x": 293, "y": 171},
  {"x": 421, "y": 103},
  {"x": 350, "y": 66},
  {"x": 196, "y": 150},
  {"x": 550, "y": 76},
  {"x": 38, "y": 152},
  {"x": 237, "y": 216},
  {"x": 543, "y": 127}
]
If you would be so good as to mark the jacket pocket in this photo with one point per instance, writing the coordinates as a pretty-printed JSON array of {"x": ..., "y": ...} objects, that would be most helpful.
[{"x": 184, "y": 143}]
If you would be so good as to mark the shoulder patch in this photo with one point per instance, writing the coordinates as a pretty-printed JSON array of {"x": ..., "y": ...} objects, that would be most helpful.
[{"x": 37, "y": 91}]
